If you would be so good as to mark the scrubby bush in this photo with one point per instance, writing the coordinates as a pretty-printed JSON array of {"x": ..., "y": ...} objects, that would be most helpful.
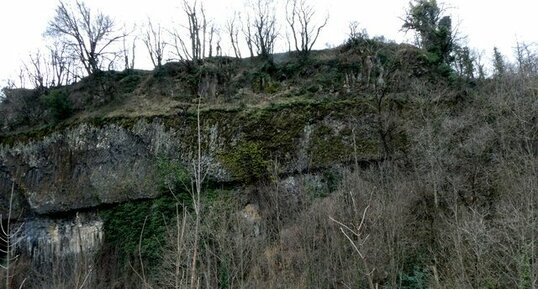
[
  {"x": 20, "y": 108},
  {"x": 58, "y": 103}
]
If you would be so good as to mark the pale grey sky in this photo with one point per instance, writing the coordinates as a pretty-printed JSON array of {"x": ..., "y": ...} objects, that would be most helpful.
[{"x": 486, "y": 23}]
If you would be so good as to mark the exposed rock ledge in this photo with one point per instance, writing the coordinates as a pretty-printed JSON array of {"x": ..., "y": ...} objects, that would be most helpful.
[{"x": 90, "y": 164}]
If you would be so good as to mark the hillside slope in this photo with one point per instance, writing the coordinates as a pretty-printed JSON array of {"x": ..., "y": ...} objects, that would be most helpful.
[{"x": 358, "y": 167}]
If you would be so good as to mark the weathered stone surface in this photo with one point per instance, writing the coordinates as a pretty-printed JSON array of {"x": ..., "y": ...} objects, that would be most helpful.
[
  {"x": 55, "y": 240},
  {"x": 87, "y": 165},
  {"x": 61, "y": 175}
]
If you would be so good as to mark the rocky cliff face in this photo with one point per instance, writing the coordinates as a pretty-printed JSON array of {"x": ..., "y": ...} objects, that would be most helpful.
[
  {"x": 86, "y": 165},
  {"x": 50, "y": 239}
]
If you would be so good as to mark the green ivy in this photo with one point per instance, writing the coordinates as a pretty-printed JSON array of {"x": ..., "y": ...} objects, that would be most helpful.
[
  {"x": 246, "y": 161},
  {"x": 126, "y": 224},
  {"x": 414, "y": 280},
  {"x": 174, "y": 178}
]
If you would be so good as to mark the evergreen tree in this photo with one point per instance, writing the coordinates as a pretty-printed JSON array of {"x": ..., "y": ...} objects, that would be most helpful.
[
  {"x": 434, "y": 30},
  {"x": 499, "y": 67},
  {"x": 464, "y": 62}
]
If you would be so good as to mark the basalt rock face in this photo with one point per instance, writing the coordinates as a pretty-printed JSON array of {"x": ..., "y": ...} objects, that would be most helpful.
[
  {"x": 47, "y": 240},
  {"x": 80, "y": 167},
  {"x": 88, "y": 165},
  {"x": 84, "y": 166}
]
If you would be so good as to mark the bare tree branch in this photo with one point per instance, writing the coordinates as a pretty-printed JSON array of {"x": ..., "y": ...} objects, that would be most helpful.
[
  {"x": 300, "y": 17},
  {"x": 155, "y": 45},
  {"x": 233, "y": 32},
  {"x": 88, "y": 35},
  {"x": 261, "y": 28}
]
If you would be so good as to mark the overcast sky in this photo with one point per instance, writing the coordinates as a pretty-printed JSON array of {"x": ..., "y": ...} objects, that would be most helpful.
[{"x": 486, "y": 23}]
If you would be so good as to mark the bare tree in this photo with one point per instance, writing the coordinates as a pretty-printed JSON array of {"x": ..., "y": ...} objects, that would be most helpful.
[
  {"x": 89, "y": 35},
  {"x": 526, "y": 59},
  {"x": 181, "y": 51},
  {"x": 233, "y": 32},
  {"x": 51, "y": 67},
  {"x": 197, "y": 181},
  {"x": 8, "y": 238},
  {"x": 261, "y": 28},
  {"x": 38, "y": 70},
  {"x": 218, "y": 47},
  {"x": 195, "y": 28},
  {"x": 249, "y": 37},
  {"x": 357, "y": 238},
  {"x": 195, "y": 48},
  {"x": 356, "y": 32},
  {"x": 213, "y": 31},
  {"x": 128, "y": 50},
  {"x": 156, "y": 46},
  {"x": 62, "y": 63},
  {"x": 22, "y": 77},
  {"x": 300, "y": 16}
]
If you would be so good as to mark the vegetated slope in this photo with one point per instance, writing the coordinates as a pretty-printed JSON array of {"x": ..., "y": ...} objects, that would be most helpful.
[
  {"x": 91, "y": 142},
  {"x": 224, "y": 83},
  {"x": 446, "y": 199}
]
